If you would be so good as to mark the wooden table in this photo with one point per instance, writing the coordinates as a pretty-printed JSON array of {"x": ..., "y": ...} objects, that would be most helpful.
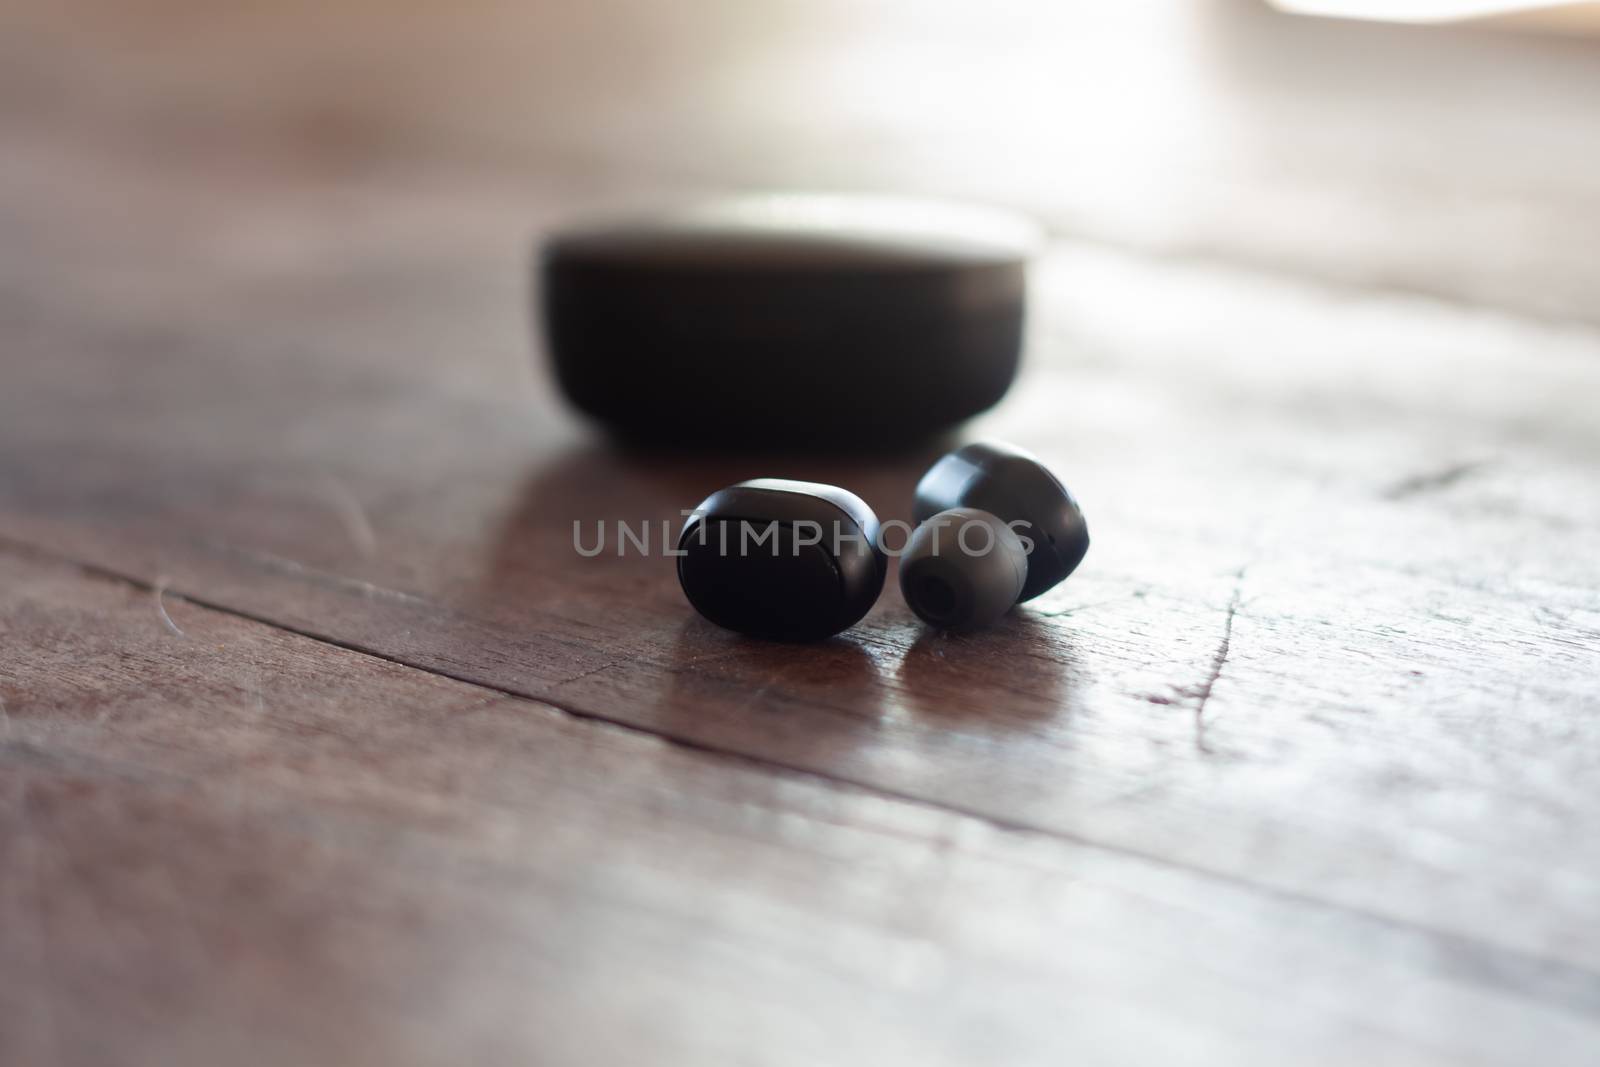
[{"x": 320, "y": 744}]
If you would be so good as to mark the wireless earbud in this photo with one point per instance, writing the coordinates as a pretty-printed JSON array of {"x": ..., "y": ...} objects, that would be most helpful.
[
  {"x": 960, "y": 569},
  {"x": 793, "y": 561},
  {"x": 801, "y": 561}
]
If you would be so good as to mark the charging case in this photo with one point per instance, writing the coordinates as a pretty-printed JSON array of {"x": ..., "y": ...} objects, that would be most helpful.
[{"x": 787, "y": 320}]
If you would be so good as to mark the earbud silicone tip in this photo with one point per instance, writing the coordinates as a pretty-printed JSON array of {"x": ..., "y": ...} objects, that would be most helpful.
[{"x": 962, "y": 569}]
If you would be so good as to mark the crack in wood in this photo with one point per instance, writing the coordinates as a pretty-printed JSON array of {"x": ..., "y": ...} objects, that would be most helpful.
[
  {"x": 1219, "y": 659},
  {"x": 608, "y": 665},
  {"x": 1200, "y": 692}
]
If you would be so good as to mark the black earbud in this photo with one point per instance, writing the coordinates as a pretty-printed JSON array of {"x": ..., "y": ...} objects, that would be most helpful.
[
  {"x": 792, "y": 561},
  {"x": 801, "y": 561},
  {"x": 960, "y": 570}
]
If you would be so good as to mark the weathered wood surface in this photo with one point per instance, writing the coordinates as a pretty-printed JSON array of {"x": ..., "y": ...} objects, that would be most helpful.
[
  {"x": 223, "y": 842},
  {"x": 1321, "y": 702}
]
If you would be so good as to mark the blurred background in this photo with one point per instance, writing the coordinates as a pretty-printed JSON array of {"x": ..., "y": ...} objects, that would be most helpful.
[{"x": 1452, "y": 158}]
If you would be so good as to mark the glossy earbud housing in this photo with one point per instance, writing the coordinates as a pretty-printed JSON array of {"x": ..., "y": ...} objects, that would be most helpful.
[
  {"x": 1016, "y": 488},
  {"x": 781, "y": 559}
]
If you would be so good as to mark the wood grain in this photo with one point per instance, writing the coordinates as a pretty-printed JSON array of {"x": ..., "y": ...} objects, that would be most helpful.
[
  {"x": 1239, "y": 456},
  {"x": 224, "y": 841},
  {"x": 1297, "y": 766}
]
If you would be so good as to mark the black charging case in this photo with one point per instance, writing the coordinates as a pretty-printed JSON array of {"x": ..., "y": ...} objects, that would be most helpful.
[{"x": 787, "y": 320}]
